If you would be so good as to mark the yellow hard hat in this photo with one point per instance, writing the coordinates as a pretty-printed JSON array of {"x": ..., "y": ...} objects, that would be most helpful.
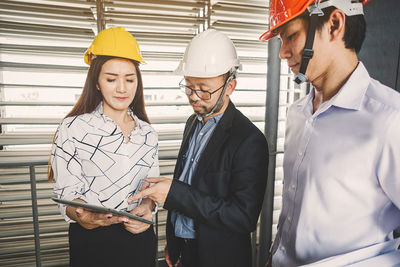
[{"x": 116, "y": 42}]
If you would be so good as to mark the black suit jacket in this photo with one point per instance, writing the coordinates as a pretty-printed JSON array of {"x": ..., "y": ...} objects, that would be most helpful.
[{"x": 226, "y": 193}]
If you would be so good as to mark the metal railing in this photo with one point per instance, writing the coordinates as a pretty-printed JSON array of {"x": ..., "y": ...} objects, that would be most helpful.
[
  {"x": 32, "y": 176},
  {"x": 8, "y": 163}
]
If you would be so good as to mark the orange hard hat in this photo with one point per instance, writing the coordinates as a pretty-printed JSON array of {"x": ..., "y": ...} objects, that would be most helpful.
[{"x": 282, "y": 11}]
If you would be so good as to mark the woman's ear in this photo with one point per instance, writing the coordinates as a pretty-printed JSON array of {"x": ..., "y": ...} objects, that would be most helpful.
[{"x": 337, "y": 22}]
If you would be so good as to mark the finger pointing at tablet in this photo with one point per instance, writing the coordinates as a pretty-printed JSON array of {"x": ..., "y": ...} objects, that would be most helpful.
[{"x": 157, "y": 192}]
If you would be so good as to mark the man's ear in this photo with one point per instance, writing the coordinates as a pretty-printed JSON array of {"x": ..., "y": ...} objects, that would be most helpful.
[
  {"x": 336, "y": 24},
  {"x": 231, "y": 87}
]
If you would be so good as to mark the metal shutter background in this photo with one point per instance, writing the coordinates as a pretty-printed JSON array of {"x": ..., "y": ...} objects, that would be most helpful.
[{"x": 42, "y": 73}]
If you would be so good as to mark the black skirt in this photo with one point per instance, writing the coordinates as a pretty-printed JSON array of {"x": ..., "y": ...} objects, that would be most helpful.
[{"x": 111, "y": 246}]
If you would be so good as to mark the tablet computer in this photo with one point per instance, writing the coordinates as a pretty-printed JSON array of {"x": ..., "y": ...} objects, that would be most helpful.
[{"x": 100, "y": 209}]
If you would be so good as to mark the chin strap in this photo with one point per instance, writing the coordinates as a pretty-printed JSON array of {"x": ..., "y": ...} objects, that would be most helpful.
[
  {"x": 230, "y": 78},
  {"x": 308, "y": 52}
]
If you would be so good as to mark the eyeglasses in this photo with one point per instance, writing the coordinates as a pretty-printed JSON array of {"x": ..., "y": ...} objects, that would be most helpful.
[{"x": 204, "y": 95}]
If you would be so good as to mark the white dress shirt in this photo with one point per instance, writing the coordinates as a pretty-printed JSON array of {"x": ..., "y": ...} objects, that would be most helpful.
[
  {"x": 341, "y": 196},
  {"x": 92, "y": 161}
]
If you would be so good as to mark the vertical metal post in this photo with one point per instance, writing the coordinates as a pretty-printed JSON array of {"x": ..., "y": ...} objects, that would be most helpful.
[
  {"x": 208, "y": 13},
  {"x": 397, "y": 83},
  {"x": 101, "y": 24},
  {"x": 2, "y": 98},
  {"x": 271, "y": 133},
  {"x": 157, "y": 238},
  {"x": 35, "y": 215}
]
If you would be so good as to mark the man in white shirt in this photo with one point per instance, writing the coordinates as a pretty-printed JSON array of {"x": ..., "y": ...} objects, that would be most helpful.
[{"x": 341, "y": 195}]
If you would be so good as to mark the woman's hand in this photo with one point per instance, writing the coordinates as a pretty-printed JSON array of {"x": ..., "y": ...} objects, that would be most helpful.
[
  {"x": 144, "y": 210},
  {"x": 89, "y": 219}
]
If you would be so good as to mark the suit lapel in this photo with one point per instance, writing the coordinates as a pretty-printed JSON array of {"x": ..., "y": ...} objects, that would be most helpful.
[
  {"x": 191, "y": 126},
  {"x": 221, "y": 133}
]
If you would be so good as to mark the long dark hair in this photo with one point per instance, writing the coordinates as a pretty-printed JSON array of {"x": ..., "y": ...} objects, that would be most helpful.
[{"x": 91, "y": 97}]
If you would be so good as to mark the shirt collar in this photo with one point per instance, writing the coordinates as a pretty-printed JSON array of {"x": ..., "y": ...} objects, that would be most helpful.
[
  {"x": 351, "y": 94},
  {"x": 214, "y": 119},
  {"x": 99, "y": 112},
  {"x": 305, "y": 103}
]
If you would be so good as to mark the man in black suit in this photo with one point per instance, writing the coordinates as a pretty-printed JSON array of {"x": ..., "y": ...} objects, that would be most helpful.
[{"x": 220, "y": 176}]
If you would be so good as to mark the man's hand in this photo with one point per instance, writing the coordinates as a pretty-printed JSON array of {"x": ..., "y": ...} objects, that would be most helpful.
[
  {"x": 144, "y": 210},
  {"x": 168, "y": 260},
  {"x": 157, "y": 192}
]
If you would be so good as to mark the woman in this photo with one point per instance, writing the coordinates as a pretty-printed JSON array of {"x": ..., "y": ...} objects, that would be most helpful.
[{"x": 102, "y": 151}]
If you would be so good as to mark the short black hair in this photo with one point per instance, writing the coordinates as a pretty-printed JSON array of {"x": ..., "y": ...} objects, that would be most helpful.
[
  {"x": 355, "y": 28},
  {"x": 226, "y": 75}
]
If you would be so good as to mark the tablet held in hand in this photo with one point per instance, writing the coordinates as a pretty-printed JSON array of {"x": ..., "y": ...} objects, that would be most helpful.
[{"x": 101, "y": 209}]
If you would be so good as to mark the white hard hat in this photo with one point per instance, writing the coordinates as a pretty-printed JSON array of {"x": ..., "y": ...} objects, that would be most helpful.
[{"x": 209, "y": 54}]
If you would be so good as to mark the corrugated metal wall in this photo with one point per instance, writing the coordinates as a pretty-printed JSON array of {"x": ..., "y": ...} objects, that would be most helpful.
[{"x": 42, "y": 73}]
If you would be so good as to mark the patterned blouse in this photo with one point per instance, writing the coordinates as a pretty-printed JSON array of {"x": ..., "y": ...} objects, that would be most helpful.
[{"x": 92, "y": 161}]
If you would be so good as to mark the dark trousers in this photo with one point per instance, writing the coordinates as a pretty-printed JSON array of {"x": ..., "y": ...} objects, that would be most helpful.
[
  {"x": 111, "y": 246},
  {"x": 189, "y": 254}
]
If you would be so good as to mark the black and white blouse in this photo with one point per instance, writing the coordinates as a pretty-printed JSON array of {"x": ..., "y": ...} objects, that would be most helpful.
[{"x": 92, "y": 161}]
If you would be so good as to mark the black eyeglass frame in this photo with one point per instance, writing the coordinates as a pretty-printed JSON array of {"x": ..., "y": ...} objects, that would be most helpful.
[{"x": 184, "y": 89}]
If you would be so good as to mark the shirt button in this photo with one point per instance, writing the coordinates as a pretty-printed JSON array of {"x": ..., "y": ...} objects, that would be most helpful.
[
  {"x": 293, "y": 187},
  {"x": 300, "y": 153},
  {"x": 200, "y": 133},
  {"x": 289, "y": 218},
  {"x": 282, "y": 248},
  {"x": 192, "y": 159}
]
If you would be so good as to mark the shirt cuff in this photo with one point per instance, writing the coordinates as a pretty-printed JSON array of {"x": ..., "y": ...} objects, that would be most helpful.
[
  {"x": 155, "y": 210},
  {"x": 63, "y": 207}
]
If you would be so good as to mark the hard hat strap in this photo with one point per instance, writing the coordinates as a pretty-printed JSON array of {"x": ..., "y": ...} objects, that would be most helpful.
[
  {"x": 308, "y": 51},
  {"x": 228, "y": 80}
]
